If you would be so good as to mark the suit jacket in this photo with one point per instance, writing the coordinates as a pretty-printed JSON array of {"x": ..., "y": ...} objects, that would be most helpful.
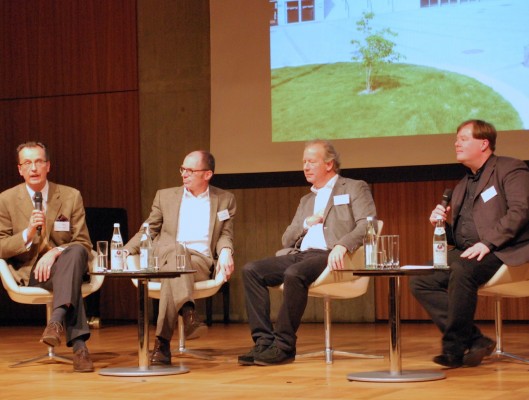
[
  {"x": 64, "y": 203},
  {"x": 502, "y": 219},
  {"x": 165, "y": 212},
  {"x": 344, "y": 218}
]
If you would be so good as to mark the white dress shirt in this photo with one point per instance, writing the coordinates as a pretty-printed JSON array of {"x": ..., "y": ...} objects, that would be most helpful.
[
  {"x": 314, "y": 239},
  {"x": 193, "y": 222}
]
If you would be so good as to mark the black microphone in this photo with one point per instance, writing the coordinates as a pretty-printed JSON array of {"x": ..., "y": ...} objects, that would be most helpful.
[
  {"x": 38, "y": 205},
  {"x": 447, "y": 196}
]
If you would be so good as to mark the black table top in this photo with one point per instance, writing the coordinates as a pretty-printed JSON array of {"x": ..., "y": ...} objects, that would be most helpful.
[
  {"x": 143, "y": 273},
  {"x": 407, "y": 270}
]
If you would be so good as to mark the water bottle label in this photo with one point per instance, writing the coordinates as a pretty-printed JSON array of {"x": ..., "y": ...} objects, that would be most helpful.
[
  {"x": 116, "y": 259},
  {"x": 440, "y": 254}
]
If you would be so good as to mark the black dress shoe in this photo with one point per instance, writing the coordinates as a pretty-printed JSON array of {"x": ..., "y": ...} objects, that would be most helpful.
[
  {"x": 481, "y": 348},
  {"x": 249, "y": 358},
  {"x": 161, "y": 355},
  {"x": 193, "y": 328},
  {"x": 448, "y": 360},
  {"x": 274, "y": 356}
]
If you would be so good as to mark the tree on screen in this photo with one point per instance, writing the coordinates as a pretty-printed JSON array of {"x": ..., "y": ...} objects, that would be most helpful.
[{"x": 374, "y": 49}]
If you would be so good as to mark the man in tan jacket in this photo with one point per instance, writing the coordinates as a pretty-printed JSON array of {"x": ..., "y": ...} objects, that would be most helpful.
[
  {"x": 46, "y": 244},
  {"x": 201, "y": 216}
]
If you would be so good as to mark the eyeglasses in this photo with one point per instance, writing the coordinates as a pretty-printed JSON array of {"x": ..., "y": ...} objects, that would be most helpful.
[
  {"x": 37, "y": 163},
  {"x": 190, "y": 171}
]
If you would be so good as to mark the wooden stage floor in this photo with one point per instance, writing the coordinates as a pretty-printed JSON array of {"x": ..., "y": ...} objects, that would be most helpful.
[{"x": 223, "y": 378}]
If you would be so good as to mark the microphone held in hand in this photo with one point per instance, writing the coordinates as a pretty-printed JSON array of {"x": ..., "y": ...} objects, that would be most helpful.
[
  {"x": 447, "y": 196},
  {"x": 38, "y": 205}
]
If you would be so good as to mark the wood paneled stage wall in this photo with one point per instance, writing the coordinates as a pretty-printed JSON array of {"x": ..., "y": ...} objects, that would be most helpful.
[{"x": 119, "y": 90}]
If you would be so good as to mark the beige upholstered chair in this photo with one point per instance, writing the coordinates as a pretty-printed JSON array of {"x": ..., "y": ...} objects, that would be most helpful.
[
  {"x": 332, "y": 285},
  {"x": 36, "y": 295},
  {"x": 506, "y": 282},
  {"x": 201, "y": 290}
]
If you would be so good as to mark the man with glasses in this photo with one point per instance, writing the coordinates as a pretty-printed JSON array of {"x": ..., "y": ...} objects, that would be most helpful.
[
  {"x": 201, "y": 216},
  {"x": 330, "y": 221},
  {"x": 45, "y": 241}
]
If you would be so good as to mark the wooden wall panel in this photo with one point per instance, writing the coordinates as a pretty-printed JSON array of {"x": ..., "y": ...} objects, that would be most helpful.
[{"x": 67, "y": 47}]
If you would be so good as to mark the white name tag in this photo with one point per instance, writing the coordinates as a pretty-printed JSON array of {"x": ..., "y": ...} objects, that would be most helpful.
[
  {"x": 341, "y": 199},
  {"x": 61, "y": 226},
  {"x": 223, "y": 215},
  {"x": 488, "y": 194}
]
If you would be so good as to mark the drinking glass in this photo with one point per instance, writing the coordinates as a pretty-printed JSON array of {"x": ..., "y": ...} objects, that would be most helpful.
[
  {"x": 181, "y": 253},
  {"x": 102, "y": 255},
  {"x": 389, "y": 244}
]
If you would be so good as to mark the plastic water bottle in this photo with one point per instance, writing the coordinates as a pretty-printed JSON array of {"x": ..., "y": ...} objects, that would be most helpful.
[
  {"x": 440, "y": 247},
  {"x": 116, "y": 250},
  {"x": 370, "y": 245},
  {"x": 145, "y": 248}
]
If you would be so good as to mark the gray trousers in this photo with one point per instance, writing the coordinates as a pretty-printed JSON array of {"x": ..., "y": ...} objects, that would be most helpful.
[{"x": 65, "y": 282}]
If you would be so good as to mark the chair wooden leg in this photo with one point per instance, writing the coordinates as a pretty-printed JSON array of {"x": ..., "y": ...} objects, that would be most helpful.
[
  {"x": 50, "y": 355},
  {"x": 182, "y": 350},
  {"x": 498, "y": 324},
  {"x": 328, "y": 352}
]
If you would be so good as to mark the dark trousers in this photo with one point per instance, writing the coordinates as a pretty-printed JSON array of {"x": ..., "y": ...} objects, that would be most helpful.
[
  {"x": 296, "y": 271},
  {"x": 450, "y": 297},
  {"x": 65, "y": 282}
]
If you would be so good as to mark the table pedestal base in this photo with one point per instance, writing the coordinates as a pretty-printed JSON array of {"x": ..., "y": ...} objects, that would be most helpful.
[
  {"x": 404, "y": 376},
  {"x": 138, "y": 371}
]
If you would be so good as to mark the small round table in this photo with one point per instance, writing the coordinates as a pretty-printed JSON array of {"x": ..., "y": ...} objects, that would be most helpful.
[
  {"x": 143, "y": 368},
  {"x": 395, "y": 373}
]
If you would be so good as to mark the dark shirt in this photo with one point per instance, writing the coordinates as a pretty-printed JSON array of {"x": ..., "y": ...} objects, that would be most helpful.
[{"x": 465, "y": 231}]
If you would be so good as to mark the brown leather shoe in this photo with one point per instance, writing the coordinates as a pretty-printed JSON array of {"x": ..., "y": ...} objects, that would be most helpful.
[
  {"x": 82, "y": 361},
  {"x": 193, "y": 328},
  {"x": 161, "y": 355},
  {"x": 52, "y": 334}
]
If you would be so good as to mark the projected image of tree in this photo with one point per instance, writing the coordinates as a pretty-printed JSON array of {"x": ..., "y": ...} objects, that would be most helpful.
[
  {"x": 374, "y": 50},
  {"x": 417, "y": 72}
]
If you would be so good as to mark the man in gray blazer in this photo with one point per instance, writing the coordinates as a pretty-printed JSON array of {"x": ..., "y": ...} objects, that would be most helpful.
[
  {"x": 201, "y": 216},
  {"x": 329, "y": 221},
  {"x": 48, "y": 246},
  {"x": 490, "y": 214}
]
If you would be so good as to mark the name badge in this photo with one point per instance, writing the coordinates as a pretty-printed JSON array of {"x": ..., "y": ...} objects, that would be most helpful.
[
  {"x": 488, "y": 194},
  {"x": 61, "y": 226},
  {"x": 341, "y": 199},
  {"x": 223, "y": 215}
]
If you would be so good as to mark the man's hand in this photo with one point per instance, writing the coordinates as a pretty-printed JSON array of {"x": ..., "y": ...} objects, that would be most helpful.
[
  {"x": 315, "y": 219},
  {"x": 225, "y": 263},
  {"x": 336, "y": 255},
  {"x": 479, "y": 250},
  {"x": 439, "y": 210},
  {"x": 38, "y": 218},
  {"x": 43, "y": 268}
]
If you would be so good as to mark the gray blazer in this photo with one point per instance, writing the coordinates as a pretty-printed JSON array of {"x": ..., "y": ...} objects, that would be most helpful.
[
  {"x": 343, "y": 223},
  {"x": 502, "y": 219}
]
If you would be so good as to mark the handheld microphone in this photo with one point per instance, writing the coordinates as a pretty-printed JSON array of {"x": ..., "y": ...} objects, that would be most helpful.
[
  {"x": 38, "y": 205},
  {"x": 447, "y": 196}
]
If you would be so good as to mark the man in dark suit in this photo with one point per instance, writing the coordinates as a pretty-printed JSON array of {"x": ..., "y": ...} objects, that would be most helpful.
[
  {"x": 200, "y": 215},
  {"x": 49, "y": 247},
  {"x": 329, "y": 221},
  {"x": 490, "y": 213}
]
